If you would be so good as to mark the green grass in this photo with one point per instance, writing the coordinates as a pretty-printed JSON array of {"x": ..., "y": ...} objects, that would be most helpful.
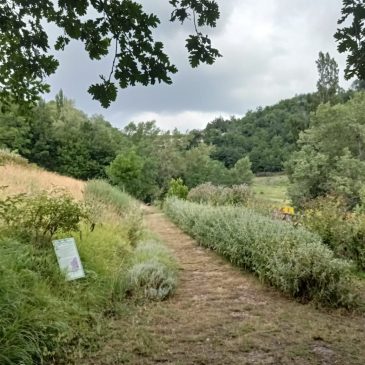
[
  {"x": 273, "y": 189},
  {"x": 43, "y": 317},
  {"x": 103, "y": 192}
]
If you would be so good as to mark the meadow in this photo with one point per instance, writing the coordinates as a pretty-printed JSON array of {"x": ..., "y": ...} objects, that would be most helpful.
[{"x": 272, "y": 189}]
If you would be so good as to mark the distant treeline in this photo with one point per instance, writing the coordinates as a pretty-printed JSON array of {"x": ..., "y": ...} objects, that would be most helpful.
[
  {"x": 268, "y": 136},
  {"x": 143, "y": 159}
]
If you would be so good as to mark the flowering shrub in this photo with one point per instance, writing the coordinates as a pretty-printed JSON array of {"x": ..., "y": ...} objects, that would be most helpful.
[{"x": 341, "y": 230}]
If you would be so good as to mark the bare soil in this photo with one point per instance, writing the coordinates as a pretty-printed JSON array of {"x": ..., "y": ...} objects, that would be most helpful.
[{"x": 221, "y": 315}]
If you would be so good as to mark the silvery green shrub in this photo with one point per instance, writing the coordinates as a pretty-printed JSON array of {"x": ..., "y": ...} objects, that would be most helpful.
[
  {"x": 152, "y": 271},
  {"x": 220, "y": 195},
  {"x": 292, "y": 259}
]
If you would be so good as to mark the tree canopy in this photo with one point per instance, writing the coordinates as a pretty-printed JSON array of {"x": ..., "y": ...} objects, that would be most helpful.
[
  {"x": 327, "y": 84},
  {"x": 331, "y": 159},
  {"x": 120, "y": 27}
]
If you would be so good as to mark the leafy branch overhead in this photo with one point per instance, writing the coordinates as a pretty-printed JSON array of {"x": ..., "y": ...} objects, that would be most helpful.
[
  {"x": 351, "y": 38},
  {"x": 120, "y": 27}
]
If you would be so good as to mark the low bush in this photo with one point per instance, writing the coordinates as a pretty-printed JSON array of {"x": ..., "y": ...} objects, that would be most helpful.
[
  {"x": 177, "y": 188},
  {"x": 292, "y": 259},
  {"x": 41, "y": 216},
  {"x": 152, "y": 273},
  {"x": 220, "y": 195},
  {"x": 8, "y": 157},
  {"x": 341, "y": 230}
]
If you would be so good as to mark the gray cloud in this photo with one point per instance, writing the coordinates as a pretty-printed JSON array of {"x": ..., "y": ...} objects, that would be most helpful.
[{"x": 269, "y": 49}]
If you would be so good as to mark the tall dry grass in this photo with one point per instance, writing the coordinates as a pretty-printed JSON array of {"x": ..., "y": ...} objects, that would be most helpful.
[{"x": 30, "y": 179}]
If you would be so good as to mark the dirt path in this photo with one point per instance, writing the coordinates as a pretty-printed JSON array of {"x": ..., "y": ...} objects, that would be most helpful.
[{"x": 220, "y": 315}]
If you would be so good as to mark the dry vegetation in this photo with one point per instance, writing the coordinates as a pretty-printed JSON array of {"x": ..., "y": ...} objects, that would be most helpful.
[{"x": 31, "y": 179}]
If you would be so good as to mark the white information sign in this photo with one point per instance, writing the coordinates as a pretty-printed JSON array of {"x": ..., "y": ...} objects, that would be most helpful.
[{"x": 68, "y": 258}]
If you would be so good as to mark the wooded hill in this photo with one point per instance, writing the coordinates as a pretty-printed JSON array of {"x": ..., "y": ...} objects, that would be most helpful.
[{"x": 268, "y": 135}]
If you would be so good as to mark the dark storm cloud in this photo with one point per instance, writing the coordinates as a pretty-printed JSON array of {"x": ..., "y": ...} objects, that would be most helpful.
[{"x": 269, "y": 48}]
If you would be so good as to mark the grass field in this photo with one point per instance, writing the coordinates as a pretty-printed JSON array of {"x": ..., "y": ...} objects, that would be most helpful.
[{"x": 272, "y": 189}]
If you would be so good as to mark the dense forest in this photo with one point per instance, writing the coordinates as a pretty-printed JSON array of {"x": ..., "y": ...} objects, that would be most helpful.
[
  {"x": 142, "y": 158},
  {"x": 267, "y": 135}
]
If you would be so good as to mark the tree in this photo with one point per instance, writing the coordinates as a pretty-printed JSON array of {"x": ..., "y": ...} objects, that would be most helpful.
[
  {"x": 327, "y": 84},
  {"x": 126, "y": 172},
  {"x": 120, "y": 27},
  {"x": 332, "y": 155},
  {"x": 241, "y": 173},
  {"x": 351, "y": 38},
  {"x": 358, "y": 85},
  {"x": 200, "y": 168}
]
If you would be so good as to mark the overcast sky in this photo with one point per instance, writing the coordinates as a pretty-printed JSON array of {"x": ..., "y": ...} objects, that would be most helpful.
[{"x": 269, "y": 49}]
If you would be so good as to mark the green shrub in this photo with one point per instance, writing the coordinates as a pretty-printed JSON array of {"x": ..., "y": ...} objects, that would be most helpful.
[
  {"x": 342, "y": 231},
  {"x": 152, "y": 272},
  {"x": 8, "y": 157},
  {"x": 177, "y": 188},
  {"x": 220, "y": 195},
  {"x": 292, "y": 259},
  {"x": 41, "y": 216}
]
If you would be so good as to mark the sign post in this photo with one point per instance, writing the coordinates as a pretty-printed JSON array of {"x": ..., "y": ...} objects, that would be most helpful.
[{"x": 68, "y": 258}]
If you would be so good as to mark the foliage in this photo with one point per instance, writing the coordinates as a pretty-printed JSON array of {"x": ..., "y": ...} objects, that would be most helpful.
[
  {"x": 220, "y": 195},
  {"x": 331, "y": 158},
  {"x": 327, "y": 84},
  {"x": 122, "y": 28},
  {"x": 177, "y": 188},
  {"x": 241, "y": 172},
  {"x": 146, "y": 166},
  {"x": 351, "y": 38},
  {"x": 61, "y": 138},
  {"x": 342, "y": 231},
  {"x": 8, "y": 157},
  {"x": 267, "y": 136},
  {"x": 291, "y": 259},
  {"x": 152, "y": 272},
  {"x": 126, "y": 171},
  {"x": 199, "y": 167},
  {"x": 42, "y": 215}
]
